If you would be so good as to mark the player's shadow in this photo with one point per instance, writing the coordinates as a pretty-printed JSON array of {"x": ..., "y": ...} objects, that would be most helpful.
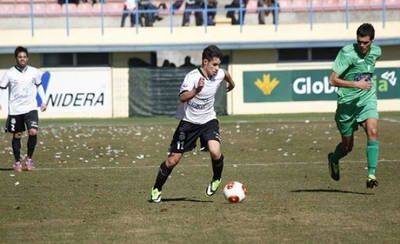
[
  {"x": 183, "y": 199},
  {"x": 6, "y": 169},
  {"x": 331, "y": 191}
]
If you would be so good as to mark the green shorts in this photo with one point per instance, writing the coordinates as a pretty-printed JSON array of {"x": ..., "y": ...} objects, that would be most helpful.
[{"x": 349, "y": 115}]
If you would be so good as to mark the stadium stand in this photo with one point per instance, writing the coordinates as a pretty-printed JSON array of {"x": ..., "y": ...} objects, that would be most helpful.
[
  {"x": 114, "y": 7},
  {"x": 88, "y": 15}
]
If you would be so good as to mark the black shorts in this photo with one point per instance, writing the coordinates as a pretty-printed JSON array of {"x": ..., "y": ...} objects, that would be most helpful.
[
  {"x": 186, "y": 135},
  {"x": 19, "y": 123}
]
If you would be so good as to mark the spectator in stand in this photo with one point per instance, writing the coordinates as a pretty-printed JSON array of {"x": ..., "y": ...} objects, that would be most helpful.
[
  {"x": 93, "y": 1},
  {"x": 129, "y": 9},
  {"x": 151, "y": 14},
  {"x": 61, "y": 2},
  {"x": 177, "y": 4},
  {"x": 188, "y": 63},
  {"x": 234, "y": 15},
  {"x": 265, "y": 12},
  {"x": 191, "y": 5},
  {"x": 167, "y": 64},
  {"x": 212, "y": 11}
]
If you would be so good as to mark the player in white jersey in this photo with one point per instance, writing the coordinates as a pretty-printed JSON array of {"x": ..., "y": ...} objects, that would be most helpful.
[
  {"x": 197, "y": 120},
  {"x": 23, "y": 83}
]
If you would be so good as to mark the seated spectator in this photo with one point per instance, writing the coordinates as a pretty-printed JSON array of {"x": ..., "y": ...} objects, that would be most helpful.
[
  {"x": 93, "y": 1},
  {"x": 212, "y": 11},
  {"x": 61, "y": 2},
  {"x": 198, "y": 15},
  {"x": 177, "y": 4},
  {"x": 265, "y": 12},
  {"x": 152, "y": 12},
  {"x": 162, "y": 5},
  {"x": 234, "y": 15},
  {"x": 129, "y": 9}
]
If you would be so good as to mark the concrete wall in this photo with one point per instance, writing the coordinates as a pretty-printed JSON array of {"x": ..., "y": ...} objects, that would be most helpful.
[
  {"x": 120, "y": 81},
  {"x": 236, "y": 104}
]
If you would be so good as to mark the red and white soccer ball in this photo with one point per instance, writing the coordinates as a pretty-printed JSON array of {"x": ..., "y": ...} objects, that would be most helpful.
[{"x": 235, "y": 192}]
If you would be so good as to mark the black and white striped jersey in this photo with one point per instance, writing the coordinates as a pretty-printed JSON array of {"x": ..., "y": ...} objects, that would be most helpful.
[{"x": 200, "y": 109}]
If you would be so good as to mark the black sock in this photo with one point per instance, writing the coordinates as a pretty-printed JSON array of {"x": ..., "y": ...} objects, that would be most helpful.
[
  {"x": 217, "y": 166},
  {"x": 16, "y": 146},
  {"x": 162, "y": 176},
  {"x": 31, "y": 145}
]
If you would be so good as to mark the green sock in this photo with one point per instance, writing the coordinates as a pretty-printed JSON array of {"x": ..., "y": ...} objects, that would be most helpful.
[
  {"x": 338, "y": 153},
  {"x": 372, "y": 156}
]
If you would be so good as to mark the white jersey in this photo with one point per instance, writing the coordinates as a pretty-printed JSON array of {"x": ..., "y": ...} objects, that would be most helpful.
[
  {"x": 130, "y": 4},
  {"x": 200, "y": 109},
  {"x": 22, "y": 89}
]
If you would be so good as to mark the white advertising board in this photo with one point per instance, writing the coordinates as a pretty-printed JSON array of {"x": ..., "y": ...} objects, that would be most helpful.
[{"x": 75, "y": 93}]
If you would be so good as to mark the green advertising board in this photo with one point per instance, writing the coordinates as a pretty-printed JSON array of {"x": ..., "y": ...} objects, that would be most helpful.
[{"x": 307, "y": 85}]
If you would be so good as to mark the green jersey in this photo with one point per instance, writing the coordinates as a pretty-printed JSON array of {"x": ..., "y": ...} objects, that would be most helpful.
[{"x": 351, "y": 65}]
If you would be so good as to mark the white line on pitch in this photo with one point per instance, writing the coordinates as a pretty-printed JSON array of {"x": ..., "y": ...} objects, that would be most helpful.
[
  {"x": 391, "y": 120},
  {"x": 204, "y": 165}
]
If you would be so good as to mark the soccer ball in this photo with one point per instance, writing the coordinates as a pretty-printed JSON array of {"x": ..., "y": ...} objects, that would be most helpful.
[{"x": 234, "y": 192}]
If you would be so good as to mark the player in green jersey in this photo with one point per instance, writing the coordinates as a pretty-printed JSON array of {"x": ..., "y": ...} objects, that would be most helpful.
[{"x": 352, "y": 73}]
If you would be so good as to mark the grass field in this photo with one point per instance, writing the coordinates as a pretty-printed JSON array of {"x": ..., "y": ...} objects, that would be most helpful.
[{"x": 93, "y": 179}]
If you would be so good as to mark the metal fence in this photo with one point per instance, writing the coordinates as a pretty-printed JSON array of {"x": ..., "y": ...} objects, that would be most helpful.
[
  {"x": 311, "y": 7},
  {"x": 154, "y": 91}
]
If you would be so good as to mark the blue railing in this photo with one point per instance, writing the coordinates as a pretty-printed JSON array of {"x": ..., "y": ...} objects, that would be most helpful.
[{"x": 240, "y": 11}]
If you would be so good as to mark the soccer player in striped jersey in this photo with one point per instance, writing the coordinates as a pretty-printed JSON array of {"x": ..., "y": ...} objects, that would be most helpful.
[
  {"x": 197, "y": 120},
  {"x": 353, "y": 74},
  {"x": 23, "y": 82}
]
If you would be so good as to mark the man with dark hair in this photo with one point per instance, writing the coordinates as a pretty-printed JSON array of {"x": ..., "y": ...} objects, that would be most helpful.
[
  {"x": 353, "y": 74},
  {"x": 23, "y": 83},
  {"x": 236, "y": 11},
  {"x": 193, "y": 6},
  {"x": 129, "y": 9},
  {"x": 197, "y": 120}
]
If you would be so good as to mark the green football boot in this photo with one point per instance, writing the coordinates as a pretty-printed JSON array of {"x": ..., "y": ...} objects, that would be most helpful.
[
  {"x": 213, "y": 187},
  {"x": 155, "y": 195}
]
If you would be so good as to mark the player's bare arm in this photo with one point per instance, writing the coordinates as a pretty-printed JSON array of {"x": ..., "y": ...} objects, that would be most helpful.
[
  {"x": 187, "y": 95},
  {"x": 229, "y": 80},
  {"x": 363, "y": 84}
]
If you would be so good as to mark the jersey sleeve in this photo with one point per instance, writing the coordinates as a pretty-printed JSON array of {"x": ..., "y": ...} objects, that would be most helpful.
[
  {"x": 378, "y": 53},
  {"x": 38, "y": 77},
  {"x": 4, "y": 81},
  {"x": 342, "y": 62},
  {"x": 188, "y": 84}
]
